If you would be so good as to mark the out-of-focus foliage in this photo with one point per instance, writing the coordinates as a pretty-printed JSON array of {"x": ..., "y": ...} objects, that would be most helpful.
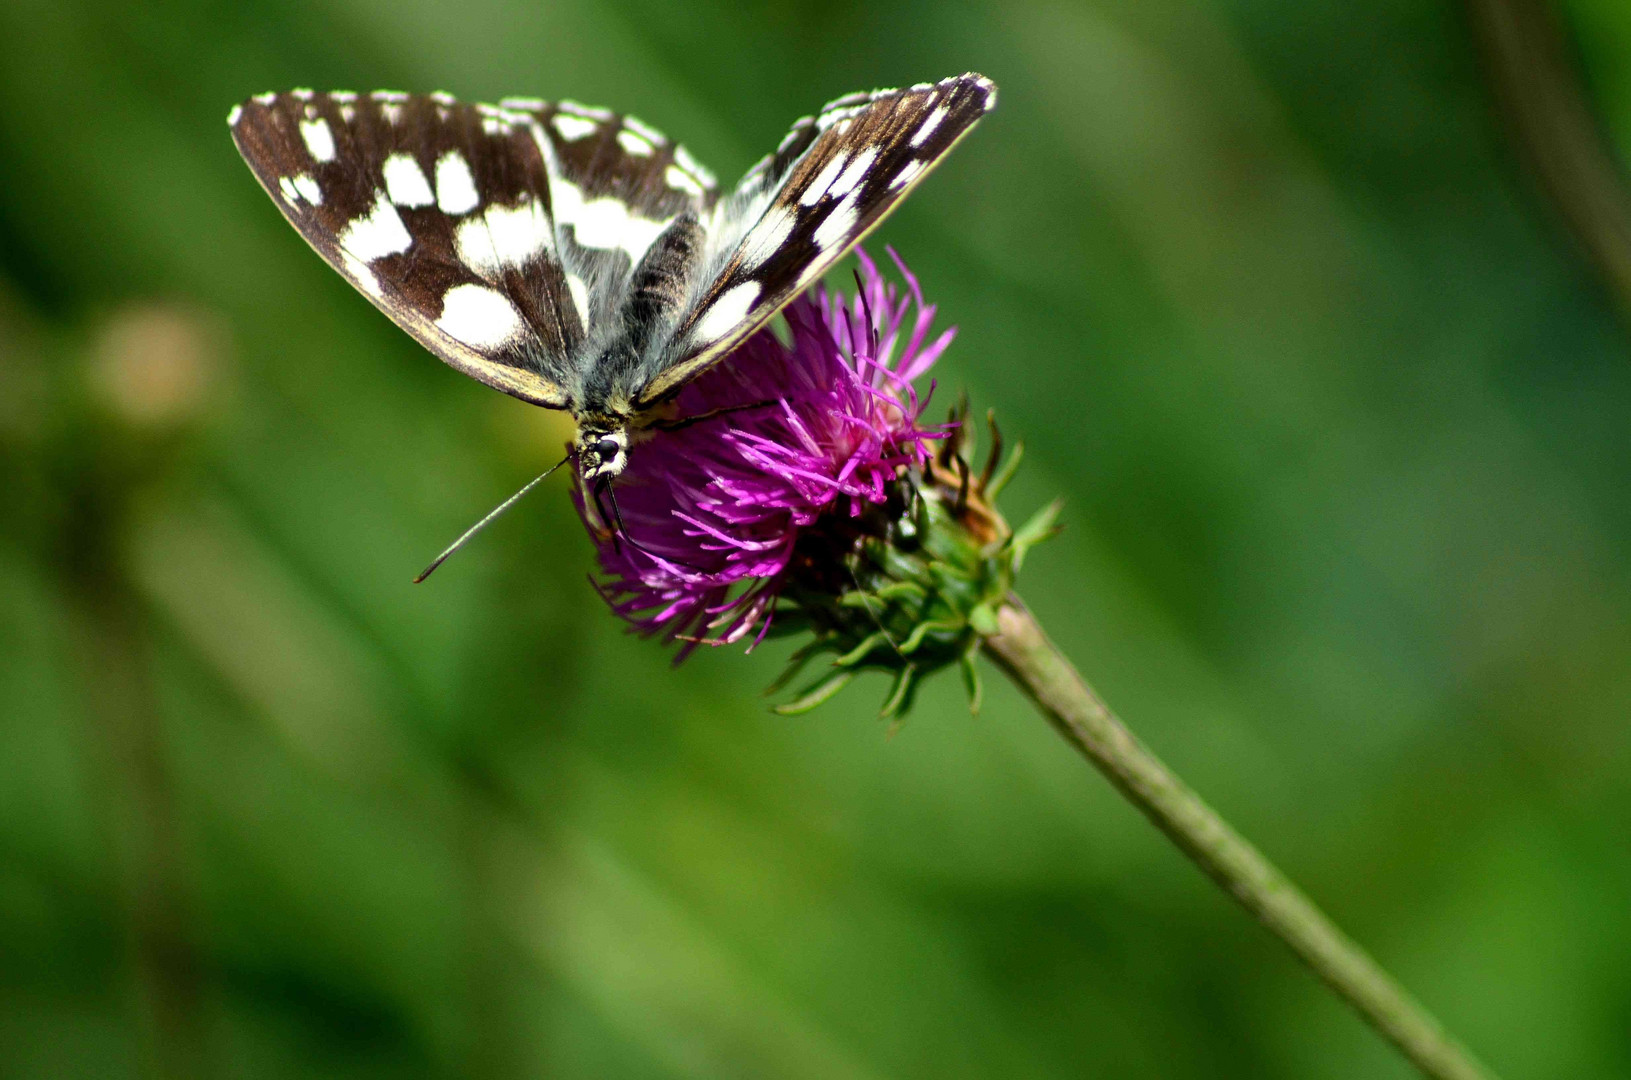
[{"x": 1342, "y": 425}]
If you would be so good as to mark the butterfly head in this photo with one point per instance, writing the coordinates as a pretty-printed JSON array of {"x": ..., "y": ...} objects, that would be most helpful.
[{"x": 601, "y": 451}]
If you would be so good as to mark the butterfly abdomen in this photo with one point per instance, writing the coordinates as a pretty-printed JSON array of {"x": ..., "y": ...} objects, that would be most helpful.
[{"x": 656, "y": 295}]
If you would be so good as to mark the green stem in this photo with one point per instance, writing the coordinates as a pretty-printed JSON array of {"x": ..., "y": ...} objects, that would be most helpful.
[{"x": 1021, "y": 649}]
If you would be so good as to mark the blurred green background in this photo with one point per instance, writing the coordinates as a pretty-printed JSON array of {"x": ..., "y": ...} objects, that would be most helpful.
[{"x": 1331, "y": 374}]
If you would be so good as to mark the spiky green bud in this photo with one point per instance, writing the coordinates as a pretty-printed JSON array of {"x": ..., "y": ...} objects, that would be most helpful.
[{"x": 913, "y": 584}]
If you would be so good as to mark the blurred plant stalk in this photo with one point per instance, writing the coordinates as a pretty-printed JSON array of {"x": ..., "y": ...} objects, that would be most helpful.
[
  {"x": 1536, "y": 77},
  {"x": 1022, "y": 650},
  {"x": 143, "y": 386}
]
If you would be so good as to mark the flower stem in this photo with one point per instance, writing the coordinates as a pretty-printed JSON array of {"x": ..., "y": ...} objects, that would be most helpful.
[{"x": 1021, "y": 649}]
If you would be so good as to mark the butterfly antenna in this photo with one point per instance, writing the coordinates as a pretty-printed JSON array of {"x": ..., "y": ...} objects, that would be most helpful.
[{"x": 488, "y": 520}]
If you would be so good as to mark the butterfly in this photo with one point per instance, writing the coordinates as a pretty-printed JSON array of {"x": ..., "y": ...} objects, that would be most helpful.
[{"x": 574, "y": 257}]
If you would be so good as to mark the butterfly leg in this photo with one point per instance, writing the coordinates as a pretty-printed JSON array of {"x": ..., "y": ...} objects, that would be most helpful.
[
  {"x": 621, "y": 531},
  {"x": 685, "y": 422},
  {"x": 605, "y": 523}
]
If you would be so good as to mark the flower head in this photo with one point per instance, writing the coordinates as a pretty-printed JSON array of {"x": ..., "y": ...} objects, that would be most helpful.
[
  {"x": 809, "y": 496},
  {"x": 790, "y": 432}
]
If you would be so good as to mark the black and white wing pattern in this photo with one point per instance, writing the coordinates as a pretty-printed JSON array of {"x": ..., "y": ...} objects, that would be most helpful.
[
  {"x": 833, "y": 179},
  {"x": 573, "y": 256},
  {"x": 616, "y": 184},
  {"x": 438, "y": 212},
  {"x": 495, "y": 235}
]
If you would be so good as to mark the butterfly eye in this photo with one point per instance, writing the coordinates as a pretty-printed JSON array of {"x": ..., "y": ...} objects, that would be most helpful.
[{"x": 606, "y": 449}]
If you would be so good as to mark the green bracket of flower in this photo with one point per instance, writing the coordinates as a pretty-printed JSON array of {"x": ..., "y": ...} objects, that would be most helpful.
[{"x": 924, "y": 575}]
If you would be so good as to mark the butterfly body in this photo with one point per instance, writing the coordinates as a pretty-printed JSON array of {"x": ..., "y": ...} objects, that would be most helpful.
[{"x": 574, "y": 257}]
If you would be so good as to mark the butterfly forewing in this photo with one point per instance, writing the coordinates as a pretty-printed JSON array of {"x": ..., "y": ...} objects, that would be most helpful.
[
  {"x": 799, "y": 211},
  {"x": 439, "y": 212}
]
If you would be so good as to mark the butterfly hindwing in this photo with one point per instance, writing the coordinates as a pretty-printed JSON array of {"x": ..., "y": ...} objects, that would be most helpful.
[
  {"x": 799, "y": 211},
  {"x": 616, "y": 184},
  {"x": 438, "y": 212}
]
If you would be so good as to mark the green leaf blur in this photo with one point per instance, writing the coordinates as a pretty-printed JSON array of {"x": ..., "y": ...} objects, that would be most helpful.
[{"x": 1339, "y": 413}]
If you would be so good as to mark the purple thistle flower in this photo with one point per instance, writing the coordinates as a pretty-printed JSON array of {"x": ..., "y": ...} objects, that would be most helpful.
[{"x": 716, "y": 508}]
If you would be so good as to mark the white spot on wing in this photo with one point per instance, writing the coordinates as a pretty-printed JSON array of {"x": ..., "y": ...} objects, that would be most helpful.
[
  {"x": 580, "y": 298},
  {"x": 635, "y": 143},
  {"x": 298, "y": 187},
  {"x": 823, "y": 180},
  {"x": 303, "y": 93},
  {"x": 572, "y": 128},
  {"x": 643, "y": 129},
  {"x": 497, "y": 121},
  {"x": 841, "y": 117},
  {"x": 266, "y": 98},
  {"x": 405, "y": 181},
  {"x": 930, "y": 122},
  {"x": 578, "y": 107},
  {"x": 840, "y": 224},
  {"x": 683, "y": 158},
  {"x": 602, "y": 223},
  {"x": 389, "y": 95},
  {"x": 306, "y": 184},
  {"x": 232, "y": 117},
  {"x": 529, "y": 103},
  {"x": 853, "y": 172},
  {"x": 793, "y": 133},
  {"x": 478, "y": 316},
  {"x": 990, "y": 89},
  {"x": 455, "y": 187},
  {"x": 768, "y": 236},
  {"x": 392, "y": 112},
  {"x": 319, "y": 139},
  {"x": 846, "y": 101},
  {"x": 504, "y": 237},
  {"x": 343, "y": 96},
  {"x": 680, "y": 180},
  {"x": 359, "y": 273},
  {"x": 908, "y": 173},
  {"x": 377, "y": 234},
  {"x": 727, "y": 313}
]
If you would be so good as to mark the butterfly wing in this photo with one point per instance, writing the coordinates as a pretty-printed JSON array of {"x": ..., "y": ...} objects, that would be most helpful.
[
  {"x": 616, "y": 184},
  {"x": 833, "y": 180},
  {"x": 439, "y": 212}
]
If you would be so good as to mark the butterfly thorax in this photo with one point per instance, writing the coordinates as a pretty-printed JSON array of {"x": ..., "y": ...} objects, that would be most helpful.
[{"x": 618, "y": 359}]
